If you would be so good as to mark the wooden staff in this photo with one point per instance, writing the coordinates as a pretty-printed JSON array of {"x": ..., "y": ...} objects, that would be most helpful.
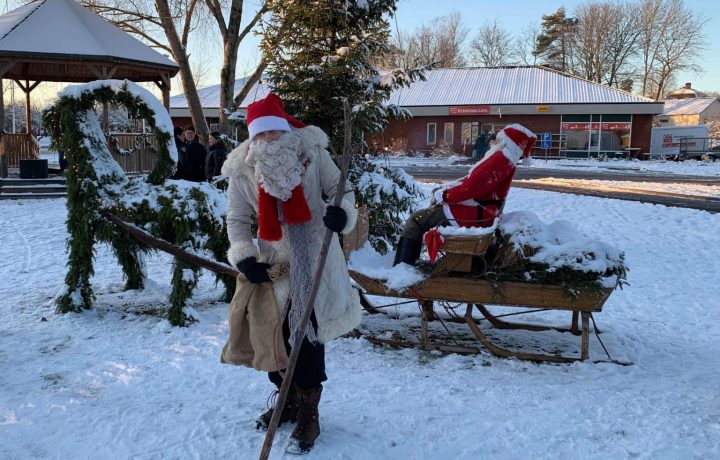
[
  {"x": 308, "y": 307},
  {"x": 194, "y": 259}
]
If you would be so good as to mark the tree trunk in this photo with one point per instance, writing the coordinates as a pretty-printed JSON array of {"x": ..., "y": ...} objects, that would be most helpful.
[{"x": 189, "y": 88}]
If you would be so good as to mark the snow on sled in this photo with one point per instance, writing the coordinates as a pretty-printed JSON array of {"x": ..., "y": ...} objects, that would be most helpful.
[{"x": 520, "y": 262}]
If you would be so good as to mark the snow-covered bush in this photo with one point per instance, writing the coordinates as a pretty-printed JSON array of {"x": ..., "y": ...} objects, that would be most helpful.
[
  {"x": 390, "y": 195},
  {"x": 189, "y": 215}
]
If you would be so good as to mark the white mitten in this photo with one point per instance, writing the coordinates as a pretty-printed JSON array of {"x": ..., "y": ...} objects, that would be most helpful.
[{"x": 439, "y": 195}]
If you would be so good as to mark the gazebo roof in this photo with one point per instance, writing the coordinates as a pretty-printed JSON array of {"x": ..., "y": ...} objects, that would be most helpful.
[{"x": 59, "y": 40}]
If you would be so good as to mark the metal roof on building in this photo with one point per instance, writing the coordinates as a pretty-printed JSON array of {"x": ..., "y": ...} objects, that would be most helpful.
[
  {"x": 690, "y": 106},
  {"x": 507, "y": 85},
  {"x": 210, "y": 95}
]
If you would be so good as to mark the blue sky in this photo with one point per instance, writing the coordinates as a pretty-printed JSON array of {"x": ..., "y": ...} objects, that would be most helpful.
[{"x": 514, "y": 15}]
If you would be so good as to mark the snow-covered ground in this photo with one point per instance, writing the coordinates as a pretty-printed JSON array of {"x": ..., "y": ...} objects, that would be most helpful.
[
  {"x": 118, "y": 382},
  {"x": 712, "y": 191},
  {"x": 688, "y": 167}
]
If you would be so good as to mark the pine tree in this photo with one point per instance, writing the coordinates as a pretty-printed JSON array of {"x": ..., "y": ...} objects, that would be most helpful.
[
  {"x": 319, "y": 52},
  {"x": 553, "y": 43}
]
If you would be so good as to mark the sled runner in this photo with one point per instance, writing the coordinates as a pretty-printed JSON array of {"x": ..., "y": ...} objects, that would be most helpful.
[{"x": 453, "y": 280}]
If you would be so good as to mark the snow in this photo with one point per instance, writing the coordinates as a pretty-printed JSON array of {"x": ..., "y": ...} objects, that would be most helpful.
[
  {"x": 712, "y": 191},
  {"x": 119, "y": 382},
  {"x": 375, "y": 265},
  {"x": 162, "y": 118}
]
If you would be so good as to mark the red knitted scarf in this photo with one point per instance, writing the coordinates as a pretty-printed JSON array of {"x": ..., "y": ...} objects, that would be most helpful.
[{"x": 295, "y": 210}]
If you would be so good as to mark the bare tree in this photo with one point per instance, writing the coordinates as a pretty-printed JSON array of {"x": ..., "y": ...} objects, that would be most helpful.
[
  {"x": 168, "y": 25},
  {"x": 524, "y": 45},
  {"x": 439, "y": 42},
  {"x": 492, "y": 46},
  {"x": 671, "y": 40},
  {"x": 232, "y": 36}
]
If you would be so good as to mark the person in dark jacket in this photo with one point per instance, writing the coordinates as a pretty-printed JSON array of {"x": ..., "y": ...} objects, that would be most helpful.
[
  {"x": 183, "y": 161},
  {"x": 196, "y": 154},
  {"x": 215, "y": 157}
]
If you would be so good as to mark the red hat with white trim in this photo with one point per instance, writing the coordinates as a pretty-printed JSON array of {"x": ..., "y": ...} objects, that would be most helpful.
[
  {"x": 269, "y": 115},
  {"x": 520, "y": 136}
]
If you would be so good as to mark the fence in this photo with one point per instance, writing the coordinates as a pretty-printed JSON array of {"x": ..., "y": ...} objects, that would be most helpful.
[
  {"x": 18, "y": 147},
  {"x": 697, "y": 147},
  {"x": 133, "y": 152}
]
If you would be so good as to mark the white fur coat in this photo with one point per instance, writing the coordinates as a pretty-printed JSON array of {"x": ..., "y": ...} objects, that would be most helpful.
[{"x": 337, "y": 306}]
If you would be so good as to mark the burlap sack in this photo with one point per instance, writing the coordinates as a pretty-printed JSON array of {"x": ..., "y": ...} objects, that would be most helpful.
[{"x": 256, "y": 338}]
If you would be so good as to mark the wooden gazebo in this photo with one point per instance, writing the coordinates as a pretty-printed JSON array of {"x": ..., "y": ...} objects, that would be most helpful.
[{"x": 61, "y": 41}]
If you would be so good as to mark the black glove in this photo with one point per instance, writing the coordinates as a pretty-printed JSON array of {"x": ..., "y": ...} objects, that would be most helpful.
[
  {"x": 254, "y": 271},
  {"x": 335, "y": 218}
]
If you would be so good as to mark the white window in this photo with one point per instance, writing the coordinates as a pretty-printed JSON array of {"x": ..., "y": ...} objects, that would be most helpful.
[
  {"x": 469, "y": 132},
  {"x": 431, "y": 133},
  {"x": 449, "y": 133}
]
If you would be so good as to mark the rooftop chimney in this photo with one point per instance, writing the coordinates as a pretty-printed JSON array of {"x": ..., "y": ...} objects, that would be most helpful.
[{"x": 688, "y": 86}]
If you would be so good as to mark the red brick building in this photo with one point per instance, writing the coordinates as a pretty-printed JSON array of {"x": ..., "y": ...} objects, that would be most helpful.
[
  {"x": 454, "y": 105},
  {"x": 584, "y": 119}
]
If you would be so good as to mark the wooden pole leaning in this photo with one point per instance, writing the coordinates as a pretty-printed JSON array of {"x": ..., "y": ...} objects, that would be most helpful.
[{"x": 308, "y": 307}]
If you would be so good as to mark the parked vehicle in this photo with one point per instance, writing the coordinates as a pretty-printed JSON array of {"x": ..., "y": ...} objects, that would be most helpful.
[{"x": 680, "y": 141}]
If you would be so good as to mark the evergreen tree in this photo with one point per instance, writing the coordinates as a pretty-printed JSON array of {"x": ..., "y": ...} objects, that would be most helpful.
[
  {"x": 320, "y": 52},
  {"x": 553, "y": 44}
]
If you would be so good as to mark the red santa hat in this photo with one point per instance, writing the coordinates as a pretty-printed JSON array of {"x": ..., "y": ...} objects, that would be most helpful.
[
  {"x": 269, "y": 115},
  {"x": 520, "y": 136}
]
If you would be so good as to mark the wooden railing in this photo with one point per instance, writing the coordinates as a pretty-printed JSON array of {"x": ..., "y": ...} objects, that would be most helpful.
[
  {"x": 133, "y": 152},
  {"x": 18, "y": 147}
]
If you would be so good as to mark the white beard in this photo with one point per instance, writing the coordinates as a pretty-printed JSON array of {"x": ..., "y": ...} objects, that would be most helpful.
[{"x": 278, "y": 164}]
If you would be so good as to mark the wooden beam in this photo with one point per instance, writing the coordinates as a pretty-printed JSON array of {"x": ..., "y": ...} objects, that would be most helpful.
[
  {"x": 6, "y": 66},
  {"x": 3, "y": 158},
  {"x": 28, "y": 115},
  {"x": 95, "y": 71}
]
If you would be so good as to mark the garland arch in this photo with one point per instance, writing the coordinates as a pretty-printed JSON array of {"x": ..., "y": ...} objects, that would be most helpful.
[{"x": 186, "y": 214}]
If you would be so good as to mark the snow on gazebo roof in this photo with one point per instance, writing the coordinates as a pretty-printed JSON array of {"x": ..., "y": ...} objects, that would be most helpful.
[{"x": 62, "y": 30}]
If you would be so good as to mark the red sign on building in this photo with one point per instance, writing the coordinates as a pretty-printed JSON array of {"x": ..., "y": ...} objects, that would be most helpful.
[
  {"x": 469, "y": 110},
  {"x": 595, "y": 126}
]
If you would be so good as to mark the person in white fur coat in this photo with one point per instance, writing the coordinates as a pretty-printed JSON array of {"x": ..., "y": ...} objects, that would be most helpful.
[{"x": 281, "y": 173}]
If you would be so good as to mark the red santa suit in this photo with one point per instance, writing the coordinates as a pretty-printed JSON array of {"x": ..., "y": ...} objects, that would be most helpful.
[{"x": 477, "y": 199}]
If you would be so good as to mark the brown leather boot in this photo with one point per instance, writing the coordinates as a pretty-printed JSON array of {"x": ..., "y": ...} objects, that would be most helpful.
[
  {"x": 307, "y": 429},
  {"x": 289, "y": 413}
]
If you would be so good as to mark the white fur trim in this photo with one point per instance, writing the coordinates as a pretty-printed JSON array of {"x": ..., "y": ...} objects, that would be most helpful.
[
  {"x": 241, "y": 251},
  {"x": 449, "y": 216},
  {"x": 330, "y": 330},
  {"x": 348, "y": 205},
  {"x": 267, "y": 123},
  {"x": 313, "y": 137}
]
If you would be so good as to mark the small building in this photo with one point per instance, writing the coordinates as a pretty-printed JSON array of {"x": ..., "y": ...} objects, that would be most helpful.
[
  {"x": 689, "y": 111},
  {"x": 685, "y": 92},
  {"x": 584, "y": 119}
]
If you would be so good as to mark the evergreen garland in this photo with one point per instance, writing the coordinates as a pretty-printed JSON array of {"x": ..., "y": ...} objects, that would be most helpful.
[{"x": 189, "y": 215}]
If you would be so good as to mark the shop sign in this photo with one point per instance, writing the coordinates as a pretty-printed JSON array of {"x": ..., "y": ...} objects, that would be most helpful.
[
  {"x": 469, "y": 110},
  {"x": 595, "y": 126},
  {"x": 542, "y": 108}
]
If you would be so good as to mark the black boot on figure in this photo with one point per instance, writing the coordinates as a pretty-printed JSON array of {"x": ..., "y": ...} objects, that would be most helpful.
[
  {"x": 408, "y": 251},
  {"x": 289, "y": 413}
]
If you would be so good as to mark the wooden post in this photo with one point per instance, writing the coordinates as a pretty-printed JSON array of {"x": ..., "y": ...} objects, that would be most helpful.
[
  {"x": 105, "y": 117},
  {"x": 3, "y": 158},
  {"x": 585, "y": 346},
  {"x": 28, "y": 117}
]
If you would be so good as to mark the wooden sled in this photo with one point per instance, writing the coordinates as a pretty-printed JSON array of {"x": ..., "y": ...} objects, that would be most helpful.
[{"x": 452, "y": 282}]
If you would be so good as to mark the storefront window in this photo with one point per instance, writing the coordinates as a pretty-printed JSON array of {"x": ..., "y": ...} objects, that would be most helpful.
[
  {"x": 431, "y": 133},
  {"x": 470, "y": 132},
  {"x": 592, "y": 135},
  {"x": 449, "y": 133}
]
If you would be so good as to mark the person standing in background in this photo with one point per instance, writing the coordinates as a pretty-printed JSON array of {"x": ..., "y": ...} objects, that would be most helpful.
[
  {"x": 196, "y": 154},
  {"x": 215, "y": 157}
]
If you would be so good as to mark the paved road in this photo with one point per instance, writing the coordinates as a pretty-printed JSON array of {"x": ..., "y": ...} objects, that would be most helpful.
[
  {"x": 453, "y": 172},
  {"x": 655, "y": 197}
]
